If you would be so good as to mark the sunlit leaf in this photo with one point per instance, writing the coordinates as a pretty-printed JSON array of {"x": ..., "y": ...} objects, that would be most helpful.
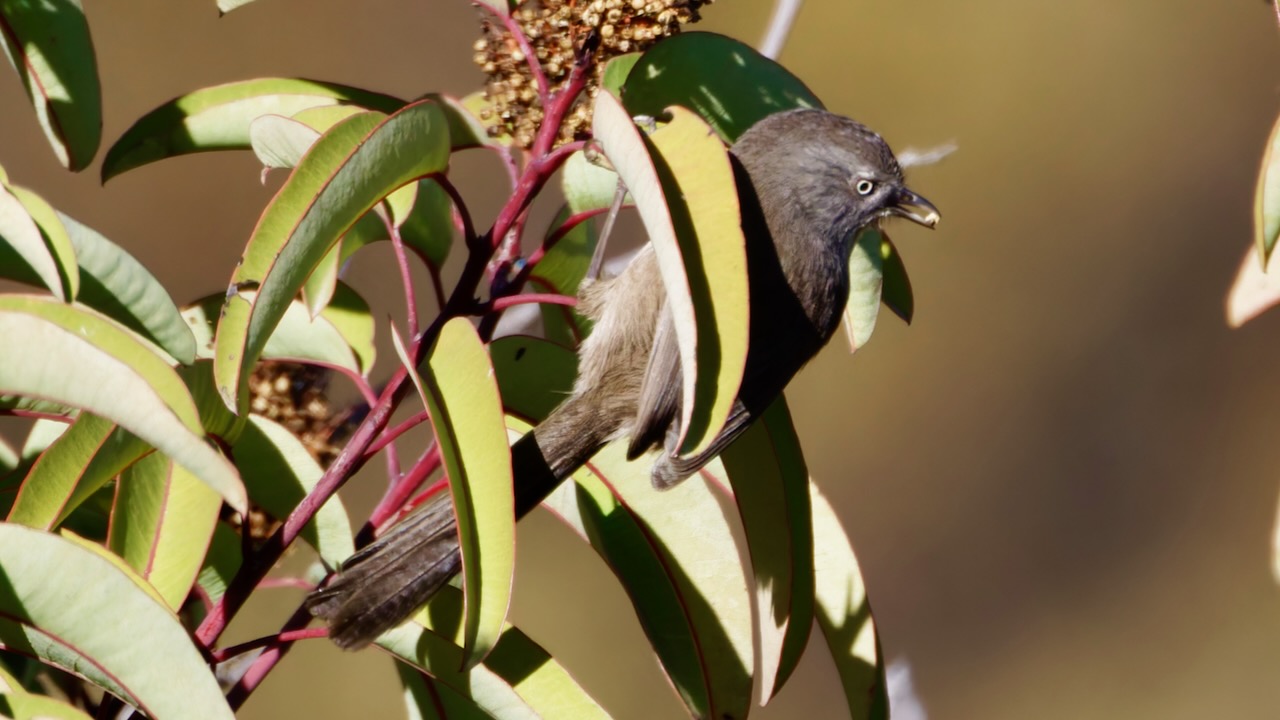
[
  {"x": 517, "y": 680},
  {"x": 866, "y": 276},
  {"x": 1253, "y": 291},
  {"x": 18, "y": 704},
  {"x": 675, "y": 556},
  {"x": 707, "y": 73},
  {"x": 21, "y": 240},
  {"x": 771, "y": 489},
  {"x": 162, "y": 523},
  {"x": 460, "y": 393},
  {"x": 342, "y": 177},
  {"x": 844, "y": 615},
  {"x": 56, "y": 240},
  {"x": 226, "y": 6},
  {"x": 40, "y": 606},
  {"x": 426, "y": 698},
  {"x": 1266, "y": 207},
  {"x": 279, "y": 472},
  {"x": 50, "y": 47},
  {"x": 73, "y": 356},
  {"x": 218, "y": 118},
  {"x": 684, "y": 188}
]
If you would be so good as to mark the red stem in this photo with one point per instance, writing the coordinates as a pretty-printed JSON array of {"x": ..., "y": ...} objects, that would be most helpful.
[
  {"x": 502, "y": 303},
  {"x": 406, "y": 277},
  {"x": 392, "y": 434},
  {"x": 404, "y": 489}
]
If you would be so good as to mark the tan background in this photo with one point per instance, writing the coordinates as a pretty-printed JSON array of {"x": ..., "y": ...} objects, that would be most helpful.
[{"x": 1061, "y": 480}]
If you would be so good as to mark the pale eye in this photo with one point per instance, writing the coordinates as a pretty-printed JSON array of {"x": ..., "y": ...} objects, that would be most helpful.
[{"x": 864, "y": 187}]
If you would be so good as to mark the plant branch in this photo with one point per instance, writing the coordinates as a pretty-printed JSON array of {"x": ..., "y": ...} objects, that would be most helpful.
[
  {"x": 507, "y": 301},
  {"x": 278, "y": 646},
  {"x": 406, "y": 276},
  {"x": 402, "y": 491},
  {"x": 779, "y": 27},
  {"x": 391, "y": 434}
]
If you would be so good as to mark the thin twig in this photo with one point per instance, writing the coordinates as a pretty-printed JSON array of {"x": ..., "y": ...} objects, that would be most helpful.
[
  {"x": 252, "y": 678},
  {"x": 392, "y": 433},
  {"x": 779, "y": 27},
  {"x": 406, "y": 276},
  {"x": 403, "y": 490},
  {"x": 459, "y": 206},
  {"x": 508, "y": 301}
]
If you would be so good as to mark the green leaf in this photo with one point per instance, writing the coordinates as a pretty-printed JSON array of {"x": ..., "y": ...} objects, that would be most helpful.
[
  {"x": 896, "y": 293},
  {"x": 221, "y": 562},
  {"x": 675, "y": 556},
  {"x": 616, "y": 72},
  {"x": 534, "y": 375},
  {"x": 466, "y": 130},
  {"x": 844, "y": 614},
  {"x": 517, "y": 680},
  {"x": 67, "y": 605},
  {"x": 460, "y": 393},
  {"x": 279, "y": 472},
  {"x": 345, "y": 174},
  {"x": 22, "y": 241},
  {"x": 73, "y": 356},
  {"x": 73, "y": 467},
  {"x": 561, "y": 271},
  {"x": 684, "y": 188},
  {"x": 771, "y": 489},
  {"x": 426, "y": 698},
  {"x": 50, "y": 47},
  {"x": 56, "y": 240},
  {"x": 1266, "y": 204},
  {"x": 162, "y": 523},
  {"x": 218, "y": 118},
  {"x": 18, "y": 704},
  {"x": 866, "y": 276},
  {"x": 707, "y": 73}
]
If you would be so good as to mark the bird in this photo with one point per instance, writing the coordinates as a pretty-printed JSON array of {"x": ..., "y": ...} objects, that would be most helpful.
[{"x": 808, "y": 182}]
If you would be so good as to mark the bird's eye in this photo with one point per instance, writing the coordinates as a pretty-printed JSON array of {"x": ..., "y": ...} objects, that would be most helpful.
[{"x": 864, "y": 187}]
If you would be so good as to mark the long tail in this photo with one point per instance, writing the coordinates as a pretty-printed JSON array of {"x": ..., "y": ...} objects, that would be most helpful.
[{"x": 389, "y": 579}]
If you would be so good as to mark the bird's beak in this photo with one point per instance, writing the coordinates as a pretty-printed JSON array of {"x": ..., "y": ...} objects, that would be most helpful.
[{"x": 915, "y": 208}]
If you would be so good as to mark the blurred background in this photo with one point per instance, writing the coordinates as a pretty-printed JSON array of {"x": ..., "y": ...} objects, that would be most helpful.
[{"x": 1061, "y": 481}]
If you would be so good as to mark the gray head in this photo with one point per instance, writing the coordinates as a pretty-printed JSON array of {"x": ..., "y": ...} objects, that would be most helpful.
[{"x": 829, "y": 169}]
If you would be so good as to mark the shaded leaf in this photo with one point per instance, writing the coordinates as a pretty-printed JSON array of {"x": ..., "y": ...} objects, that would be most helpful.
[
  {"x": 460, "y": 393},
  {"x": 56, "y": 605},
  {"x": 706, "y": 73},
  {"x": 345, "y": 174},
  {"x": 844, "y": 614},
  {"x": 218, "y": 118},
  {"x": 56, "y": 241},
  {"x": 73, "y": 356},
  {"x": 517, "y": 680},
  {"x": 426, "y": 698},
  {"x": 896, "y": 293},
  {"x": 162, "y": 524},
  {"x": 48, "y": 43},
  {"x": 561, "y": 271},
  {"x": 534, "y": 375},
  {"x": 18, "y": 704},
  {"x": 221, "y": 562},
  {"x": 771, "y": 490},
  {"x": 22, "y": 240}
]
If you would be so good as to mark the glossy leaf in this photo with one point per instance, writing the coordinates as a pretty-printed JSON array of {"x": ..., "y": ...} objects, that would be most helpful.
[
  {"x": 517, "y": 680},
  {"x": 1266, "y": 204},
  {"x": 675, "y": 556},
  {"x": 684, "y": 188},
  {"x": 162, "y": 524},
  {"x": 56, "y": 240},
  {"x": 218, "y": 118},
  {"x": 460, "y": 393},
  {"x": 279, "y": 472},
  {"x": 70, "y": 355},
  {"x": 770, "y": 484},
  {"x": 50, "y": 47},
  {"x": 707, "y": 73},
  {"x": 1253, "y": 291},
  {"x": 56, "y": 605},
  {"x": 844, "y": 614},
  {"x": 74, "y": 466},
  {"x": 345, "y": 174},
  {"x": 22, "y": 241}
]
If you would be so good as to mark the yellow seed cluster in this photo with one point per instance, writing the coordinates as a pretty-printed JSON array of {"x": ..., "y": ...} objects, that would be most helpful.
[{"x": 555, "y": 30}]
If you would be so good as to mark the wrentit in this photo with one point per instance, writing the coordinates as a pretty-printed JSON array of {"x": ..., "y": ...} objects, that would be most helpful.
[{"x": 808, "y": 182}]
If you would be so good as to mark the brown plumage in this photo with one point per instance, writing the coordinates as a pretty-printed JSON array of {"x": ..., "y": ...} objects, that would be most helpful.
[{"x": 808, "y": 181}]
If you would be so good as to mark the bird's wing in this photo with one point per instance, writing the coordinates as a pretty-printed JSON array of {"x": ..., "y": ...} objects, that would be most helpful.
[{"x": 658, "y": 407}]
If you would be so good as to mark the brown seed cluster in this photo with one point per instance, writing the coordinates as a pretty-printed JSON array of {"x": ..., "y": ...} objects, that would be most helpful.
[
  {"x": 555, "y": 30},
  {"x": 294, "y": 395}
]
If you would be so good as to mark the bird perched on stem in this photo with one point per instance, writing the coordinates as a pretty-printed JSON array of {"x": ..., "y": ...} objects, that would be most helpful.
[{"x": 808, "y": 182}]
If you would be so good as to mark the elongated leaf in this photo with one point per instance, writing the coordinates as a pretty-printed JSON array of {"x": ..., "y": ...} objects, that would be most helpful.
[
  {"x": 426, "y": 698},
  {"x": 18, "y": 704},
  {"x": 561, "y": 271},
  {"x": 56, "y": 240},
  {"x": 226, "y": 6},
  {"x": 706, "y": 73},
  {"x": 344, "y": 175},
  {"x": 73, "y": 356},
  {"x": 896, "y": 293},
  {"x": 50, "y": 47},
  {"x": 60, "y": 605},
  {"x": 1266, "y": 204},
  {"x": 771, "y": 489},
  {"x": 517, "y": 680},
  {"x": 1253, "y": 291},
  {"x": 279, "y": 472},
  {"x": 218, "y": 118},
  {"x": 79, "y": 462},
  {"x": 675, "y": 556},
  {"x": 684, "y": 188},
  {"x": 866, "y": 277},
  {"x": 461, "y": 395},
  {"x": 534, "y": 375},
  {"x": 162, "y": 523},
  {"x": 844, "y": 614},
  {"x": 221, "y": 562},
  {"x": 21, "y": 240}
]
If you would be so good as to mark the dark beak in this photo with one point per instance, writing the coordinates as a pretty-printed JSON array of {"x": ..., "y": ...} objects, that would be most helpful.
[{"x": 915, "y": 208}]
